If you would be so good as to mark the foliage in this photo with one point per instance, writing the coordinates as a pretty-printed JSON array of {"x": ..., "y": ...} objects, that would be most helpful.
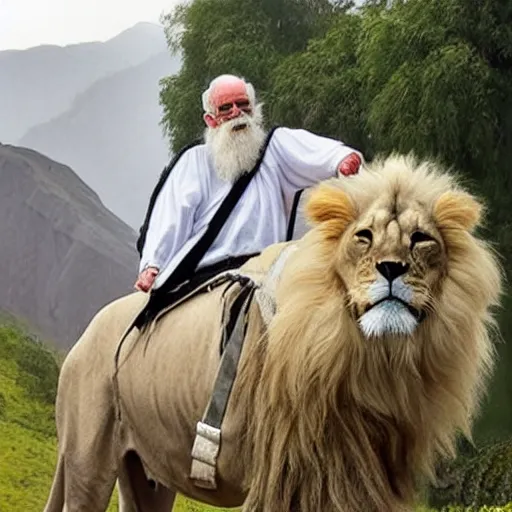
[
  {"x": 29, "y": 376},
  {"x": 429, "y": 87},
  {"x": 483, "y": 476},
  {"x": 27, "y": 430},
  {"x": 320, "y": 87},
  {"x": 243, "y": 37}
]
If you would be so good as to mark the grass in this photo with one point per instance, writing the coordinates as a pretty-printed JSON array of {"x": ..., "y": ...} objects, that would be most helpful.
[
  {"x": 27, "y": 426},
  {"x": 184, "y": 505},
  {"x": 27, "y": 441}
]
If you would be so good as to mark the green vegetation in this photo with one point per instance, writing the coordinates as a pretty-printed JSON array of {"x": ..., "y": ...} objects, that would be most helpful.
[
  {"x": 482, "y": 476},
  {"x": 184, "y": 505},
  {"x": 28, "y": 379}
]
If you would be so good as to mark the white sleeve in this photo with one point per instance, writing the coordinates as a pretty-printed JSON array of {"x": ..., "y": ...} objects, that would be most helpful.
[
  {"x": 305, "y": 158},
  {"x": 172, "y": 218}
]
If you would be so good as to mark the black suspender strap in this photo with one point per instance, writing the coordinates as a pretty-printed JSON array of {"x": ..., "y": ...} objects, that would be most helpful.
[
  {"x": 161, "y": 180},
  {"x": 293, "y": 215}
]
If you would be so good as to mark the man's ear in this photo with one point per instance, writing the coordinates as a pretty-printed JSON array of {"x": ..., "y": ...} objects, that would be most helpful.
[{"x": 210, "y": 121}]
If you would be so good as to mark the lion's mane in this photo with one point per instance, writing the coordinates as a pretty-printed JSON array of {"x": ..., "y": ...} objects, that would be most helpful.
[{"x": 343, "y": 423}]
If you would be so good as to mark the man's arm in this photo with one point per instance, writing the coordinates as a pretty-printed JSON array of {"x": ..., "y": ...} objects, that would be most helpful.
[
  {"x": 306, "y": 158},
  {"x": 171, "y": 221}
]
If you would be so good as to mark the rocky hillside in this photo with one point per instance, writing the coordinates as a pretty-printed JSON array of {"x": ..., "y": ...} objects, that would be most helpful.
[{"x": 64, "y": 255}]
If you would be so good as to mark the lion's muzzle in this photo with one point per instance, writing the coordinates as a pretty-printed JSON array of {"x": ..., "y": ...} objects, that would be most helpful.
[{"x": 390, "y": 309}]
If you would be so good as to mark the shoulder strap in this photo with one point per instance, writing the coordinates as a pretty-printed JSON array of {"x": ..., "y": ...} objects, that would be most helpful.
[
  {"x": 163, "y": 178},
  {"x": 188, "y": 265},
  {"x": 293, "y": 215}
]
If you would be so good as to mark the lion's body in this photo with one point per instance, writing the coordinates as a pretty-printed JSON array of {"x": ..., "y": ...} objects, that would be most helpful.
[
  {"x": 323, "y": 416},
  {"x": 188, "y": 364},
  {"x": 157, "y": 422},
  {"x": 185, "y": 352}
]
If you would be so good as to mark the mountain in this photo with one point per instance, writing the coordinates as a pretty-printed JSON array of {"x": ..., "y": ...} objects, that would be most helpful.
[
  {"x": 40, "y": 83},
  {"x": 111, "y": 136},
  {"x": 64, "y": 255}
]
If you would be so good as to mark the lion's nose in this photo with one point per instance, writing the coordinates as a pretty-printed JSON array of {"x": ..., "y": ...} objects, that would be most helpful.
[{"x": 392, "y": 269}]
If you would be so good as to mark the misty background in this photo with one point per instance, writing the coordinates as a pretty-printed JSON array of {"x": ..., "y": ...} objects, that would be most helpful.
[{"x": 94, "y": 107}]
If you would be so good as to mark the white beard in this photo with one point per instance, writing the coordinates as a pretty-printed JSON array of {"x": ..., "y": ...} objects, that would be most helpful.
[{"x": 236, "y": 152}]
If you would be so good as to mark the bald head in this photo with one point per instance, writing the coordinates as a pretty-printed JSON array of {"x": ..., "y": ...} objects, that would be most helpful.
[{"x": 225, "y": 87}]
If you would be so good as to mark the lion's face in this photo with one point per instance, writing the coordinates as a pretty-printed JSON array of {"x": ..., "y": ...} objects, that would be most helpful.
[
  {"x": 391, "y": 262},
  {"x": 400, "y": 233}
]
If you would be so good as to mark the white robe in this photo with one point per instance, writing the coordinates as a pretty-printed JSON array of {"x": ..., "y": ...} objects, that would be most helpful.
[{"x": 294, "y": 160}]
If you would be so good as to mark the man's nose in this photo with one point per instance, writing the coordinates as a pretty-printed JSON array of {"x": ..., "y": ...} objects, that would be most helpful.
[{"x": 235, "y": 111}]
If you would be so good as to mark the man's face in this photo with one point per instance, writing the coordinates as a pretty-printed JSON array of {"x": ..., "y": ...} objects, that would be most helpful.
[
  {"x": 229, "y": 101},
  {"x": 235, "y": 131}
]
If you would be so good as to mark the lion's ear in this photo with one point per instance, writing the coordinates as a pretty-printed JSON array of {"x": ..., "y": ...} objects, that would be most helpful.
[
  {"x": 458, "y": 210},
  {"x": 330, "y": 205}
]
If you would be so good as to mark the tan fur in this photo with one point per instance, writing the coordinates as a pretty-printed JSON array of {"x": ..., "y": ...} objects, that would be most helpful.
[
  {"x": 322, "y": 418},
  {"x": 344, "y": 423}
]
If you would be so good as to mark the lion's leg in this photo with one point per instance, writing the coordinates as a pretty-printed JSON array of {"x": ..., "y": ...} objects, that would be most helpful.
[
  {"x": 55, "y": 501},
  {"x": 87, "y": 438},
  {"x": 79, "y": 491},
  {"x": 137, "y": 493}
]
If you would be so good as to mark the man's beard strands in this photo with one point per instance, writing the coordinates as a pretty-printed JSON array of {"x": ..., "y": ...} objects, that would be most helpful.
[{"x": 235, "y": 145}]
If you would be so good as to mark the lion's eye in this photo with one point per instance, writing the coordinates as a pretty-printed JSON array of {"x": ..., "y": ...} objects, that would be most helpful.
[
  {"x": 419, "y": 236},
  {"x": 365, "y": 235}
]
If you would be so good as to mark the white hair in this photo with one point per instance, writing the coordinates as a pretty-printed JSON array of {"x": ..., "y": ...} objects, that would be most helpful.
[
  {"x": 208, "y": 107},
  {"x": 235, "y": 152}
]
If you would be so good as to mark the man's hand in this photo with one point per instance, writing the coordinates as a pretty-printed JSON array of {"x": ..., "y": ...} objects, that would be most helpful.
[
  {"x": 350, "y": 164},
  {"x": 146, "y": 279}
]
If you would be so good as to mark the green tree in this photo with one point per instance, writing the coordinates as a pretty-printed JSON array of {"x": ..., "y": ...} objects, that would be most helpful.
[
  {"x": 428, "y": 88},
  {"x": 320, "y": 88},
  {"x": 243, "y": 37}
]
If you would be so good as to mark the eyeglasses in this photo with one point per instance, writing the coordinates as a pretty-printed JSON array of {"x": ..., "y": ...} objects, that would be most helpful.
[{"x": 244, "y": 105}]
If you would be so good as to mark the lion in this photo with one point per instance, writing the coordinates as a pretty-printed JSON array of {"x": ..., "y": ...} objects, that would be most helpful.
[{"x": 377, "y": 356}]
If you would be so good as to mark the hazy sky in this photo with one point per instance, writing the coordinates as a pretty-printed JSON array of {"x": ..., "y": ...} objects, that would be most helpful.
[{"x": 26, "y": 23}]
